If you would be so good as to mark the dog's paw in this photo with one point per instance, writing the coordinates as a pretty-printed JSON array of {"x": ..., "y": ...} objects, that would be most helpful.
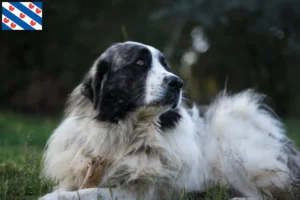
[
  {"x": 94, "y": 172},
  {"x": 96, "y": 161},
  {"x": 49, "y": 196},
  {"x": 56, "y": 195}
]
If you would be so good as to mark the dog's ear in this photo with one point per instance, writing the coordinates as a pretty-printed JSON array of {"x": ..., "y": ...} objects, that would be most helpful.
[
  {"x": 91, "y": 86},
  {"x": 86, "y": 88},
  {"x": 101, "y": 71}
]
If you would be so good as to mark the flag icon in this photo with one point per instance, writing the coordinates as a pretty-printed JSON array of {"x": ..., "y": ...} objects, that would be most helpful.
[{"x": 22, "y": 15}]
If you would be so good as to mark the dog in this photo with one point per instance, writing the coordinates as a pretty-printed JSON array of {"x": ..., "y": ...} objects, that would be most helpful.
[{"x": 129, "y": 109}]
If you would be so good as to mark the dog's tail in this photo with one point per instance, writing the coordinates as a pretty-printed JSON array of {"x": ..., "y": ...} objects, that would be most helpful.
[{"x": 255, "y": 152}]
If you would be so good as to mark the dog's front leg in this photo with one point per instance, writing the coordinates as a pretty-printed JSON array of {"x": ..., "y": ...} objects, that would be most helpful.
[
  {"x": 89, "y": 194},
  {"x": 246, "y": 198}
]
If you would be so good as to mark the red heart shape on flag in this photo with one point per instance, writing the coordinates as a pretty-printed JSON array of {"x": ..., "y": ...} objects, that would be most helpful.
[
  {"x": 38, "y": 11},
  {"x": 6, "y": 20},
  {"x": 32, "y": 23},
  {"x": 13, "y": 25},
  {"x": 11, "y": 8},
  {"x": 31, "y": 6},
  {"x": 22, "y": 15}
]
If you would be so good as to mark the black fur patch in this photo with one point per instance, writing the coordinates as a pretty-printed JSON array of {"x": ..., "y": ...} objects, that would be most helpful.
[
  {"x": 168, "y": 120},
  {"x": 124, "y": 86}
]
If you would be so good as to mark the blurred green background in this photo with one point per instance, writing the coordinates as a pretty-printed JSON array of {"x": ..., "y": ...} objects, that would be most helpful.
[
  {"x": 249, "y": 43},
  {"x": 209, "y": 43}
]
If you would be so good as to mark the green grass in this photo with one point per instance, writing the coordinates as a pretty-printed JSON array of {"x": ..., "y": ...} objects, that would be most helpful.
[
  {"x": 22, "y": 139},
  {"x": 20, "y": 129}
]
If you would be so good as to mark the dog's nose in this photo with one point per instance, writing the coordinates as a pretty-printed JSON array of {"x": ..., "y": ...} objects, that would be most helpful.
[{"x": 175, "y": 82}]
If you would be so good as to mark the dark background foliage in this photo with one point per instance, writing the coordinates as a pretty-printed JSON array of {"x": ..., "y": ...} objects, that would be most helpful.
[{"x": 210, "y": 43}]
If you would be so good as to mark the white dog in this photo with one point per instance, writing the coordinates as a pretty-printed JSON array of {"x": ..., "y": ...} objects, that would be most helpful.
[{"x": 128, "y": 109}]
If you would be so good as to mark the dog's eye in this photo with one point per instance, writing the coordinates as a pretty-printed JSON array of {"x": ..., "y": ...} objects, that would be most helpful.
[
  {"x": 140, "y": 62},
  {"x": 164, "y": 63}
]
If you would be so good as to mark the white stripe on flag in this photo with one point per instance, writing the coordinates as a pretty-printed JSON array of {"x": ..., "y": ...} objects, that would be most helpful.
[
  {"x": 9, "y": 23},
  {"x": 26, "y": 19},
  {"x": 26, "y": 4}
]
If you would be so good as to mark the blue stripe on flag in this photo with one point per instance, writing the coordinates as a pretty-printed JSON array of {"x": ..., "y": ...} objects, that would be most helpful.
[
  {"x": 17, "y": 20},
  {"x": 5, "y": 27},
  {"x": 38, "y": 4},
  {"x": 27, "y": 12}
]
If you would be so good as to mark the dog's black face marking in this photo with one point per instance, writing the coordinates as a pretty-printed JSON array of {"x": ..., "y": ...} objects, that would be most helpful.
[
  {"x": 127, "y": 76},
  {"x": 123, "y": 88},
  {"x": 169, "y": 119}
]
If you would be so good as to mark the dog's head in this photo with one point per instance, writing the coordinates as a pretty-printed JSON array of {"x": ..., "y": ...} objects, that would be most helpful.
[{"x": 128, "y": 76}]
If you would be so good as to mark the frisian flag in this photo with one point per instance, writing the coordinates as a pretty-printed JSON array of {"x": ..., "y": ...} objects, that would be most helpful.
[{"x": 22, "y": 15}]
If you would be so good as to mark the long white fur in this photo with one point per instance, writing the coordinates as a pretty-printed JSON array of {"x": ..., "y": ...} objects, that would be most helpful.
[{"x": 237, "y": 144}]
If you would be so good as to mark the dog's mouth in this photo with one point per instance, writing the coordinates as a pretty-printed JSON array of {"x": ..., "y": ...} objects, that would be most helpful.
[{"x": 170, "y": 99}]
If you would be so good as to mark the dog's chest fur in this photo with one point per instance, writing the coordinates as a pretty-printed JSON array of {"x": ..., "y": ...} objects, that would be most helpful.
[
  {"x": 140, "y": 152},
  {"x": 146, "y": 147}
]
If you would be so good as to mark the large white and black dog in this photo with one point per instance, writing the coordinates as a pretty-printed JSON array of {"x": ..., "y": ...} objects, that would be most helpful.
[{"x": 128, "y": 109}]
